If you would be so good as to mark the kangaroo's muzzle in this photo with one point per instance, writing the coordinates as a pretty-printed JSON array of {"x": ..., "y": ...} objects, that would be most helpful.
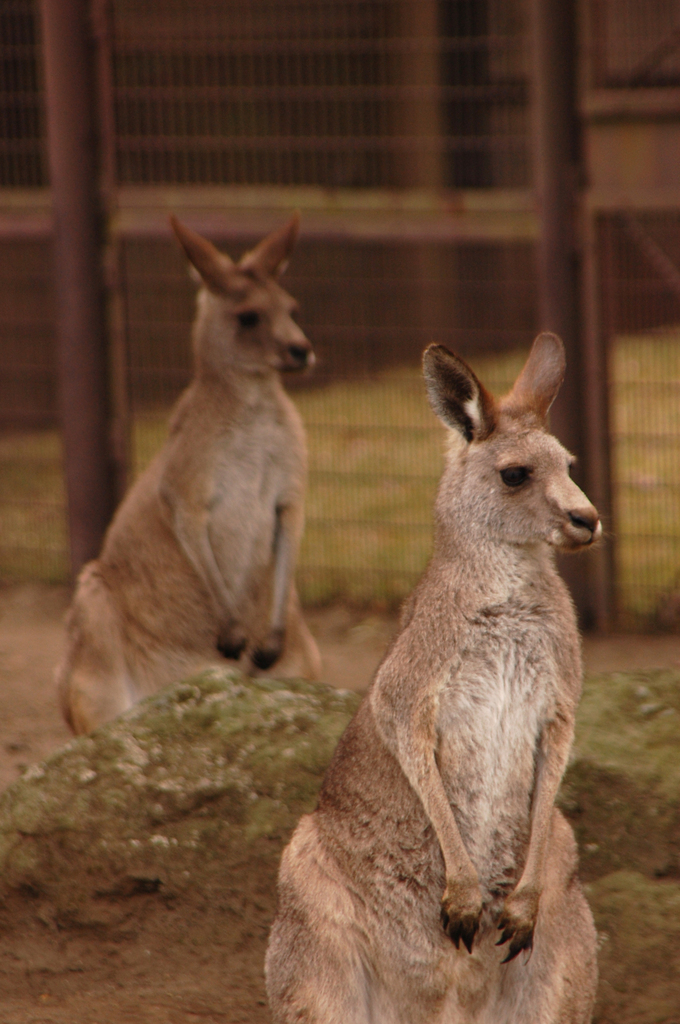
[{"x": 298, "y": 357}]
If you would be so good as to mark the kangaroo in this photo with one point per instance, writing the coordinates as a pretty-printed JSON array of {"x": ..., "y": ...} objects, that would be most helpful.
[
  {"x": 435, "y": 838},
  {"x": 198, "y": 561}
]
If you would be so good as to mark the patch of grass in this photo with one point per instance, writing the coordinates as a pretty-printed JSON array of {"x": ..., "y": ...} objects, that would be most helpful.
[
  {"x": 645, "y": 427},
  {"x": 375, "y": 458},
  {"x": 33, "y": 534}
]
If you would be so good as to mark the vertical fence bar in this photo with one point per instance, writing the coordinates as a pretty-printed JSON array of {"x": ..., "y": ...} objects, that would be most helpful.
[
  {"x": 597, "y": 461},
  {"x": 421, "y": 113},
  {"x": 102, "y": 19},
  {"x": 554, "y": 137},
  {"x": 81, "y": 318},
  {"x": 554, "y": 146}
]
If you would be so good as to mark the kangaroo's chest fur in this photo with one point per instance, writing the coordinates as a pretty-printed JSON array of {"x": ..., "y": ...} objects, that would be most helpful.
[
  {"x": 493, "y": 700},
  {"x": 257, "y": 470}
]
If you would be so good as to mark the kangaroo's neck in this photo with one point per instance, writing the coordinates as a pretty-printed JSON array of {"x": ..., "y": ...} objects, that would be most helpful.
[
  {"x": 489, "y": 572},
  {"x": 235, "y": 387},
  {"x": 221, "y": 400}
]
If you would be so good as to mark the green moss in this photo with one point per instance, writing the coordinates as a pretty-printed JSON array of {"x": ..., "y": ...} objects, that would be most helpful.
[
  {"x": 622, "y": 788},
  {"x": 630, "y": 722},
  {"x": 187, "y": 782},
  {"x": 638, "y": 922}
]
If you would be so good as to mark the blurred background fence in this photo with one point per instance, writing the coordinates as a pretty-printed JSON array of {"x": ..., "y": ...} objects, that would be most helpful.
[{"x": 402, "y": 129}]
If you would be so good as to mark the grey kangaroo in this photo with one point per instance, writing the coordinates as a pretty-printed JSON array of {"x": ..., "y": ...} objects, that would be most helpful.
[
  {"x": 199, "y": 559},
  {"x": 436, "y": 880}
]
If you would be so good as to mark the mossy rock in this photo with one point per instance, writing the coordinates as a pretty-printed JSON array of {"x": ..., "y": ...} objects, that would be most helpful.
[
  {"x": 621, "y": 791},
  {"x": 638, "y": 923},
  {"x": 165, "y": 828},
  {"x": 191, "y": 794}
]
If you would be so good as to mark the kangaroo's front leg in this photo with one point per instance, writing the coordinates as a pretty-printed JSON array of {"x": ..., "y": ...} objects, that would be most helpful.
[
  {"x": 285, "y": 549},
  {"x": 412, "y": 739},
  {"x": 520, "y": 911}
]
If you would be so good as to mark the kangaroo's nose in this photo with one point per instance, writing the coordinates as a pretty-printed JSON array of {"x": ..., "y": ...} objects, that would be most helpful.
[
  {"x": 300, "y": 354},
  {"x": 585, "y": 520}
]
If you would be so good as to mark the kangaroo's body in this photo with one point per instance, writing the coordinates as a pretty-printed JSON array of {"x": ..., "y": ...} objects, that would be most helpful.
[
  {"x": 199, "y": 558},
  {"x": 444, "y": 783}
]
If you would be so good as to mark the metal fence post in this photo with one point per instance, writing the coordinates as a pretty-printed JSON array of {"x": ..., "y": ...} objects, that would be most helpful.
[
  {"x": 112, "y": 248},
  {"x": 81, "y": 317},
  {"x": 555, "y": 160},
  {"x": 598, "y": 461}
]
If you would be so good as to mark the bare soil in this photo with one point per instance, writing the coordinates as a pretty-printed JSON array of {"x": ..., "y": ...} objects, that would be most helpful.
[{"x": 149, "y": 972}]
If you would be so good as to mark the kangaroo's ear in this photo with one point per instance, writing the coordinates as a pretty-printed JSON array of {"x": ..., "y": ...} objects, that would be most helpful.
[
  {"x": 456, "y": 396},
  {"x": 537, "y": 385},
  {"x": 213, "y": 266},
  {"x": 270, "y": 256}
]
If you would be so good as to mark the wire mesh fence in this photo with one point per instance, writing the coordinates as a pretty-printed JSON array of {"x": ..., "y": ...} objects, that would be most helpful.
[
  {"x": 642, "y": 322},
  {"x": 381, "y": 93},
  {"x": 22, "y": 152},
  {"x": 383, "y": 98},
  {"x": 635, "y": 43},
  {"x": 33, "y": 540}
]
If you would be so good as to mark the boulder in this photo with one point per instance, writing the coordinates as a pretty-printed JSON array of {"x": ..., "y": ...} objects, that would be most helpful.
[
  {"x": 174, "y": 796},
  {"x": 621, "y": 793},
  {"x": 160, "y": 836},
  {"x": 621, "y": 790},
  {"x": 638, "y": 924},
  {"x": 140, "y": 862}
]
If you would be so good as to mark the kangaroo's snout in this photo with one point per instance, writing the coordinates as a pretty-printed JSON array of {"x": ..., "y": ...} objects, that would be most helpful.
[
  {"x": 298, "y": 356},
  {"x": 586, "y": 520},
  {"x": 584, "y": 526}
]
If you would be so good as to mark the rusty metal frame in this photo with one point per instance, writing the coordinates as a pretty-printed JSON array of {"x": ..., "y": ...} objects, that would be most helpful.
[
  {"x": 120, "y": 426},
  {"x": 624, "y": 107},
  {"x": 598, "y": 475},
  {"x": 81, "y": 320},
  {"x": 555, "y": 181}
]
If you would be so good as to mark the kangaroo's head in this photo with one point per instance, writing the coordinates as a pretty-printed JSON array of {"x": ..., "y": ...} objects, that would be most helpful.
[
  {"x": 508, "y": 476},
  {"x": 245, "y": 318}
]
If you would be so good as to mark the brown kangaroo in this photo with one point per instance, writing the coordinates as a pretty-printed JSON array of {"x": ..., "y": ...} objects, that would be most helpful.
[
  {"x": 199, "y": 559},
  {"x": 436, "y": 822}
]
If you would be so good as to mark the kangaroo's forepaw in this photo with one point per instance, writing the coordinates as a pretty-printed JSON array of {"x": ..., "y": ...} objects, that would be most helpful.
[
  {"x": 231, "y": 641},
  {"x": 517, "y": 923},
  {"x": 520, "y": 940},
  {"x": 266, "y": 654},
  {"x": 461, "y": 912}
]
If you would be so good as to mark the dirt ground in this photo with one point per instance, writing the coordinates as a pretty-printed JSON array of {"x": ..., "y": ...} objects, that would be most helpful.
[{"x": 81, "y": 979}]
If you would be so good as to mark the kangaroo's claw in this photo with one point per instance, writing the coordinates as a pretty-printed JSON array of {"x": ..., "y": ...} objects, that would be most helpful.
[
  {"x": 270, "y": 651},
  {"x": 464, "y": 928},
  {"x": 231, "y": 642},
  {"x": 517, "y": 923},
  {"x": 520, "y": 940},
  {"x": 460, "y": 913}
]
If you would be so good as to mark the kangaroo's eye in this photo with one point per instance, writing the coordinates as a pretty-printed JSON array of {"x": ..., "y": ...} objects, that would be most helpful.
[
  {"x": 249, "y": 318},
  {"x": 513, "y": 476}
]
